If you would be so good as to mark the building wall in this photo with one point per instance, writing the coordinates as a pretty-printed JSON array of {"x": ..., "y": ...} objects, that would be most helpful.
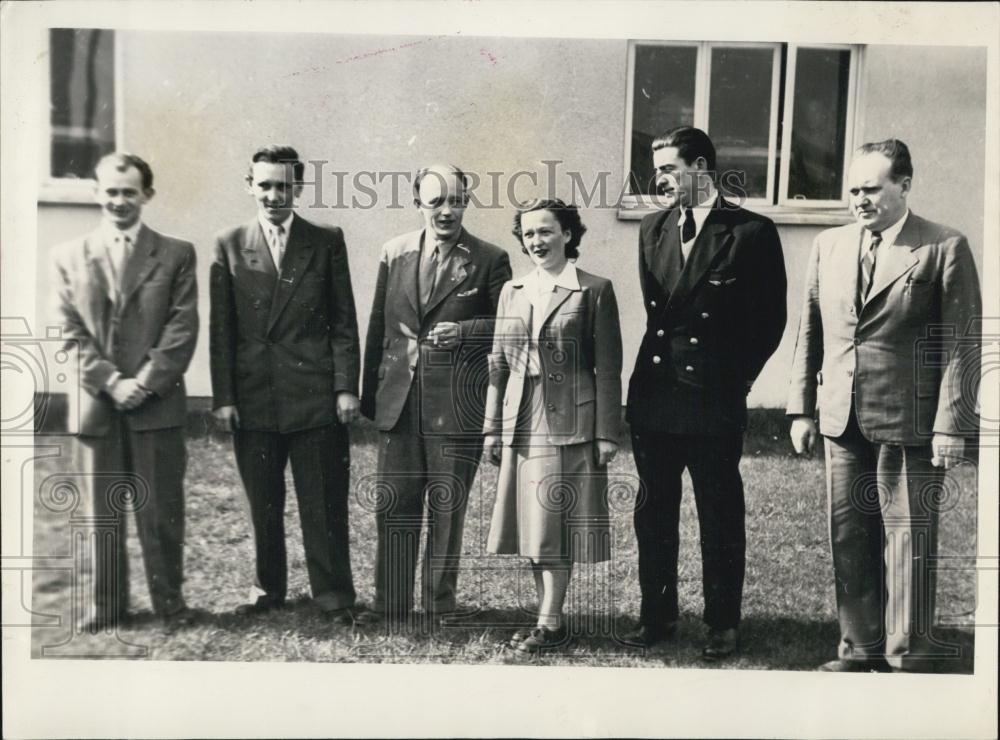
[{"x": 196, "y": 105}]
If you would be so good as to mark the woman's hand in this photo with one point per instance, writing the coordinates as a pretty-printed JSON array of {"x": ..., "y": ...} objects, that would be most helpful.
[
  {"x": 492, "y": 448},
  {"x": 604, "y": 451}
]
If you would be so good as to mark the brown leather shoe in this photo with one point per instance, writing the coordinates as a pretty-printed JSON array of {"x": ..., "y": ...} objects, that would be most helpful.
[{"x": 721, "y": 644}]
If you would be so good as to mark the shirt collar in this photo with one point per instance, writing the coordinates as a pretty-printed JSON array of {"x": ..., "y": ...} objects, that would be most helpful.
[
  {"x": 111, "y": 232},
  {"x": 701, "y": 212},
  {"x": 267, "y": 226},
  {"x": 540, "y": 281},
  {"x": 889, "y": 235},
  {"x": 444, "y": 248}
]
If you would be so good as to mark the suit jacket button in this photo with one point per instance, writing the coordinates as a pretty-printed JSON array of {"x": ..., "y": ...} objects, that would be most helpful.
[
  {"x": 850, "y": 373},
  {"x": 549, "y": 345},
  {"x": 652, "y": 304},
  {"x": 550, "y": 406},
  {"x": 659, "y": 333},
  {"x": 689, "y": 369},
  {"x": 657, "y": 359},
  {"x": 694, "y": 340},
  {"x": 704, "y": 315},
  {"x": 856, "y": 341}
]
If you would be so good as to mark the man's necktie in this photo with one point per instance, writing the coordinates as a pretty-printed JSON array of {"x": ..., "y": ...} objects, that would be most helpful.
[
  {"x": 687, "y": 228},
  {"x": 277, "y": 245},
  {"x": 868, "y": 266},
  {"x": 428, "y": 276},
  {"x": 118, "y": 254}
]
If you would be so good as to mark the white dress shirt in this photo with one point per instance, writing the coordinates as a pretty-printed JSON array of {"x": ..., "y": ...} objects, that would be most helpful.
[
  {"x": 699, "y": 213},
  {"x": 277, "y": 241},
  {"x": 889, "y": 237},
  {"x": 540, "y": 285}
]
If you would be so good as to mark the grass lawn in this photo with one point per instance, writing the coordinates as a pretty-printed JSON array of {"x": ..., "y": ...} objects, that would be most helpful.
[{"x": 789, "y": 615}]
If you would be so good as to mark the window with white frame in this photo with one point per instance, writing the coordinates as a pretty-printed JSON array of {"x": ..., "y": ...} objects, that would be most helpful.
[
  {"x": 780, "y": 115},
  {"x": 82, "y": 108}
]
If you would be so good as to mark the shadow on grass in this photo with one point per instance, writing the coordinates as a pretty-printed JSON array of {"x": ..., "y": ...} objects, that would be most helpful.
[{"x": 300, "y": 633}]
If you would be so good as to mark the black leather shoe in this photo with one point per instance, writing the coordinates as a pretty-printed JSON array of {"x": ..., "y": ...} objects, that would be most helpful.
[
  {"x": 262, "y": 605},
  {"x": 721, "y": 644},
  {"x": 646, "y": 636},
  {"x": 183, "y": 617},
  {"x": 542, "y": 638},
  {"x": 352, "y": 616},
  {"x": 870, "y": 665}
]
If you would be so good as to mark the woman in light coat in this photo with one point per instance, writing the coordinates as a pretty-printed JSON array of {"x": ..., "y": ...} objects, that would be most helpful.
[{"x": 553, "y": 412}]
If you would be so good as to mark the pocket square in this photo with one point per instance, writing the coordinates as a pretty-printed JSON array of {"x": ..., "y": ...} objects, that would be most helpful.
[
  {"x": 467, "y": 293},
  {"x": 728, "y": 281}
]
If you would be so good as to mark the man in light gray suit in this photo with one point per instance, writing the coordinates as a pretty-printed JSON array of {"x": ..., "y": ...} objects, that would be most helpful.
[
  {"x": 127, "y": 298},
  {"x": 424, "y": 385},
  {"x": 887, "y": 346}
]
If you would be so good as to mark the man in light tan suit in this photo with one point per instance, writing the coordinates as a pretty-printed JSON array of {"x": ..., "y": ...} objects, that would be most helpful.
[
  {"x": 886, "y": 346},
  {"x": 127, "y": 298}
]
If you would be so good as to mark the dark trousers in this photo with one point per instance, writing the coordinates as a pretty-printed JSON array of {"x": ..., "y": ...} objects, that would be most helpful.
[
  {"x": 884, "y": 502},
  {"x": 141, "y": 471},
  {"x": 411, "y": 467},
  {"x": 320, "y": 460},
  {"x": 713, "y": 462}
]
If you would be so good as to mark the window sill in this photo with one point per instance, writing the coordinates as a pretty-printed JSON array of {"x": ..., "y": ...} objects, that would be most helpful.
[
  {"x": 67, "y": 191},
  {"x": 778, "y": 214}
]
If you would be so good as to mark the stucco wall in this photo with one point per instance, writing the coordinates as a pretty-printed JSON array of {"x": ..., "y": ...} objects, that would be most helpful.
[{"x": 196, "y": 105}]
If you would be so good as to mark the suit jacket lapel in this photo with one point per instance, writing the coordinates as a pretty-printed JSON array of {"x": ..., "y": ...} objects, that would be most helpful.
[
  {"x": 100, "y": 299},
  {"x": 140, "y": 263},
  {"x": 714, "y": 237},
  {"x": 897, "y": 260},
  {"x": 559, "y": 297},
  {"x": 298, "y": 254},
  {"x": 452, "y": 276},
  {"x": 665, "y": 262},
  {"x": 409, "y": 266}
]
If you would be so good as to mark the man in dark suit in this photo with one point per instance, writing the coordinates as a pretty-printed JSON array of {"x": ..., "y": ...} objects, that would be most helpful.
[
  {"x": 285, "y": 364},
  {"x": 713, "y": 282},
  {"x": 127, "y": 299},
  {"x": 888, "y": 343},
  {"x": 425, "y": 380}
]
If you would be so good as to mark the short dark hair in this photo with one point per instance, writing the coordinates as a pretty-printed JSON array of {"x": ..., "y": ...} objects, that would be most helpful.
[
  {"x": 895, "y": 151},
  {"x": 278, "y": 154},
  {"x": 422, "y": 172},
  {"x": 122, "y": 161},
  {"x": 691, "y": 143},
  {"x": 567, "y": 214}
]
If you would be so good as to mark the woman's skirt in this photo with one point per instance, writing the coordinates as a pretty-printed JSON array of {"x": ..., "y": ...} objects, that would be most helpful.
[{"x": 551, "y": 499}]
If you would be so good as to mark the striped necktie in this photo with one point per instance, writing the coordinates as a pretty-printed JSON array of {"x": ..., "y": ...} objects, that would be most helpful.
[{"x": 868, "y": 266}]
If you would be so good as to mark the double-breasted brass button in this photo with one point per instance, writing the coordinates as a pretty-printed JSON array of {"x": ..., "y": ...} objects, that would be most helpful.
[
  {"x": 652, "y": 304},
  {"x": 694, "y": 340},
  {"x": 659, "y": 333},
  {"x": 704, "y": 315},
  {"x": 657, "y": 359},
  {"x": 689, "y": 369}
]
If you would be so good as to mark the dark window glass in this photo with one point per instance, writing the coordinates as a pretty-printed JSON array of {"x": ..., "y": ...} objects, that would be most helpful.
[
  {"x": 739, "y": 117},
  {"x": 663, "y": 97},
  {"x": 82, "y": 68},
  {"x": 819, "y": 124}
]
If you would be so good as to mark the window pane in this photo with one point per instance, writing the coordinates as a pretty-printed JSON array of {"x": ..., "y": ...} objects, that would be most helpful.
[
  {"x": 739, "y": 117},
  {"x": 819, "y": 123},
  {"x": 82, "y": 98},
  {"x": 663, "y": 97}
]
